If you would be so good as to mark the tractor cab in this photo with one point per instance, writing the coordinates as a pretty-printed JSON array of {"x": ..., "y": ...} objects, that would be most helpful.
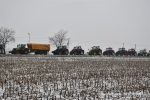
[
  {"x": 142, "y": 52},
  {"x": 61, "y": 50},
  {"x": 62, "y": 47},
  {"x": 121, "y": 52},
  {"x": 109, "y": 52},
  {"x": 96, "y": 47},
  {"x": 21, "y": 46},
  {"x": 77, "y": 50},
  {"x": 21, "y": 49},
  {"x": 132, "y": 52},
  {"x": 77, "y": 47},
  {"x": 122, "y": 49},
  {"x": 95, "y": 51},
  {"x": 107, "y": 49}
]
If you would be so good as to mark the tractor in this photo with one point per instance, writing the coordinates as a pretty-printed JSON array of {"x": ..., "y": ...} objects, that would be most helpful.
[
  {"x": 77, "y": 50},
  {"x": 61, "y": 50},
  {"x": 109, "y": 52},
  {"x": 132, "y": 52},
  {"x": 95, "y": 51},
  {"x": 122, "y": 52},
  {"x": 21, "y": 49},
  {"x": 142, "y": 53}
]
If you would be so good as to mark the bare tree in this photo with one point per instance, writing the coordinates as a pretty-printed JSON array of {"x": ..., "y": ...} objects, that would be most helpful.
[
  {"x": 6, "y": 36},
  {"x": 59, "y": 38}
]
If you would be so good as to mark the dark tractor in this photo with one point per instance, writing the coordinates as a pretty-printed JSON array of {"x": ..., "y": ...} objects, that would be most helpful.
[
  {"x": 61, "y": 50},
  {"x": 122, "y": 52},
  {"x": 142, "y": 53},
  {"x": 132, "y": 52},
  {"x": 77, "y": 51},
  {"x": 95, "y": 51},
  {"x": 21, "y": 49},
  {"x": 109, "y": 52}
]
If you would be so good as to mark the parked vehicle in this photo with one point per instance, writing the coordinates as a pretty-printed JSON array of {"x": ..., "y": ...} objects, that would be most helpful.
[
  {"x": 109, "y": 52},
  {"x": 95, "y": 51},
  {"x": 61, "y": 50},
  {"x": 36, "y": 48},
  {"x": 77, "y": 50},
  {"x": 122, "y": 52},
  {"x": 142, "y": 53},
  {"x": 132, "y": 52}
]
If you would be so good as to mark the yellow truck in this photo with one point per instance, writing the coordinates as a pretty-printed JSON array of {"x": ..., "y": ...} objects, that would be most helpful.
[{"x": 41, "y": 49}]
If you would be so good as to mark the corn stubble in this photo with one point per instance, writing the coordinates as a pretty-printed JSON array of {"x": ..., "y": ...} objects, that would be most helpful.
[{"x": 50, "y": 78}]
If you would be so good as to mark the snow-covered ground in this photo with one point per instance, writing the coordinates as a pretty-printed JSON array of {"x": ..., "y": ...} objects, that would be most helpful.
[{"x": 74, "y": 78}]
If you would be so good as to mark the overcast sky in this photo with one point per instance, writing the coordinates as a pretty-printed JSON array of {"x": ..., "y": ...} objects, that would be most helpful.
[{"x": 88, "y": 22}]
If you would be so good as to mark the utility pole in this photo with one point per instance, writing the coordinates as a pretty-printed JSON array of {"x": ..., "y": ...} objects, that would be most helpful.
[
  {"x": 123, "y": 45},
  {"x": 135, "y": 46},
  {"x": 29, "y": 37},
  {"x": 68, "y": 42}
]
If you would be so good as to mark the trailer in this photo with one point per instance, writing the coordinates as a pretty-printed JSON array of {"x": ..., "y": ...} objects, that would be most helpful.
[{"x": 39, "y": 48}]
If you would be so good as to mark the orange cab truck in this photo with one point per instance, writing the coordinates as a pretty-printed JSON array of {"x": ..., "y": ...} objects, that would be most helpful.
[{"x": 41, "y": 49}]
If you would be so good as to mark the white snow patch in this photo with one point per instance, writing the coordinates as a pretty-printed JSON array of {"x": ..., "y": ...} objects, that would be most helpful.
[{"x": 1, "y": 92}]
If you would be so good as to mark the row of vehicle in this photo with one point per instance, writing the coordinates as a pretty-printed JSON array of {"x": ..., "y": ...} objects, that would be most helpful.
[
  {"x": 43, "y": 49},
  {"x": 62, "y": 50}
]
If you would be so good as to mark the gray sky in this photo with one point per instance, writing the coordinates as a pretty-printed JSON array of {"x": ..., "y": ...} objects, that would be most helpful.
[{"x": 89, "y": 22}]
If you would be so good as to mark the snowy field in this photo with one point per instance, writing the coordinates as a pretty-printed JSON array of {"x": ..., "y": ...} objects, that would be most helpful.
[{"x": 74, "y": 78}]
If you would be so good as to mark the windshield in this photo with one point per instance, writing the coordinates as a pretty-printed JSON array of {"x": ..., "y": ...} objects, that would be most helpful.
[
  {"x": 21, "y": 46},
  {"x": 108, "y": 48},
  {"x": 120, "y": 49}
]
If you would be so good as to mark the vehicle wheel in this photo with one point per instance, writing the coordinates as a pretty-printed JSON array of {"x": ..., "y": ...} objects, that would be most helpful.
[
  {"x": 99, "y": 53},
  {"x": 82, "y": 53},
  {"x": 74, "y": 53},
  {"x": 60, "y": 53},
  {"x": 25, "y": 52},
  {"x": 67, "y": 52}
]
